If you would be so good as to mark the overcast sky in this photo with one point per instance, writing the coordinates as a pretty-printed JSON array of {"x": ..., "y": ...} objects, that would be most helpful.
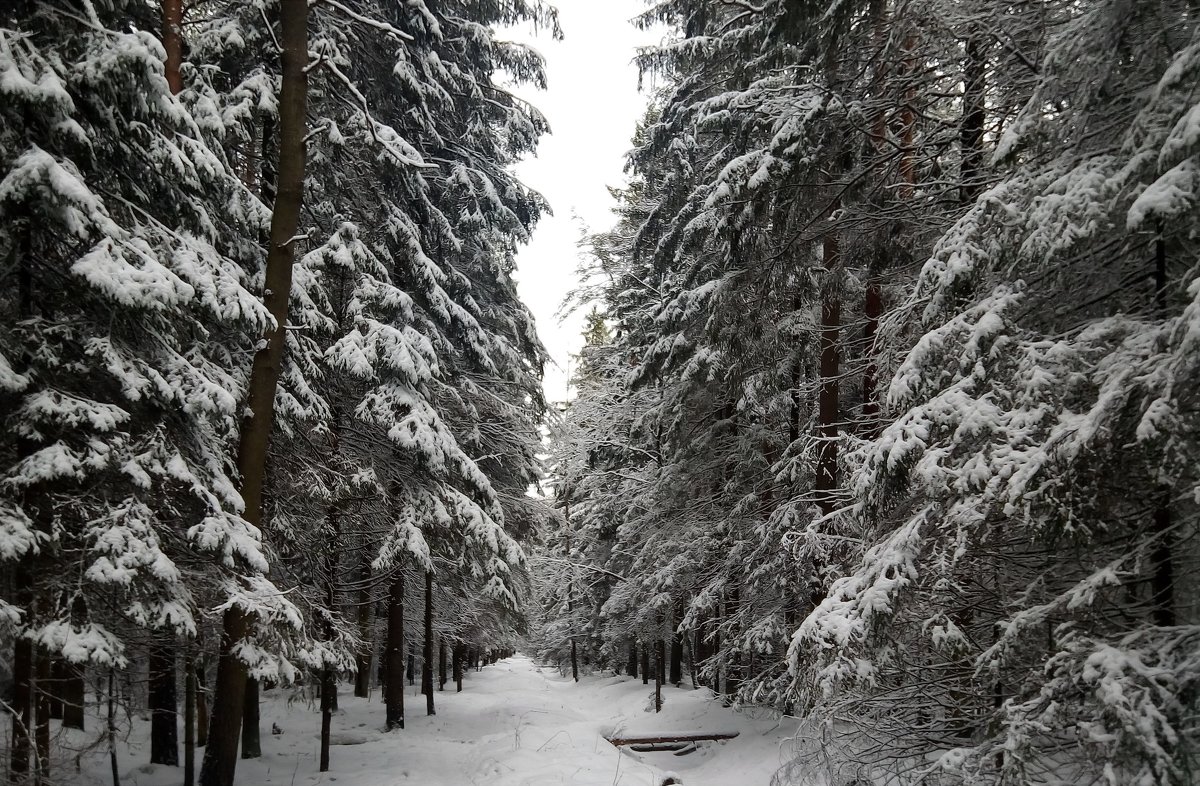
[{"x": 592, "y": 104}]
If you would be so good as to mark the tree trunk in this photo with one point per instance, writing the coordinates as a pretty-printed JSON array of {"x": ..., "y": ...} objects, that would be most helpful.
[
  {"x": 441, "y": 663},
  {"x": 427, "y": 665},
  {"x": 251, "y": 741},
  {"x": 22, "y": 724},
  {"x": 973, "y": 115},
  {"x": 172, "y": 41},
  {"x": 645, "y": 664},
  {"x": 457, "y": 655},
  {"x": 827, "y": 415},
  {"x": 72, "y": 690},
  {"x": 658, "y": 674},
  {"x": 393, "y": 691},
  {"x": 201, "y": 703},
  {"x": 1162, "y": 581},
  {"x": 631, "y": 662},
  {"x": 220, "y": 757},
  {"x": 111, "y": 727},
  {"x": 42, "y": 709},
  {"x": 328, "y": 691},
  {"x": 574, "y": 661},
  {"x": 872, "y": 311},
  {"x": 189, "y": 722},
  {"x": 164, "y": 733},
  {"x": 676, "y": 673},
  {"x": 362, "y": 680},
  {"x": 58, "y": 677}
]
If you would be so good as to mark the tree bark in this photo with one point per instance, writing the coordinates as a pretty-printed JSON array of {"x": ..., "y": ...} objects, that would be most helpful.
[
  {"x": 1162, "y": 581},
  {"x": 362, "y": 679},
  {"x": 220, "y": 756},
  {"x": 189, "y": 722},
  {"x": 201, "y": 703},
  {"x": 457, "y": 656},
  {"x": 393, "y": 691},
  {"x": 22, "y": 722},
  {"x": 676, "y": 672},
  {"x": 645, "y": 664},
  {"x": 973, "y": 115},
  {"x": 164, "y": 734},
  {"x": 111, "y": 727},
  {"x": 631, "y": 663},
  {"x": 441, "y": 663},
  {"x": 251, "y": 741},
  {"x": 658, "y": 674},
  {"x": 42, "y": 709},
  {"x": 172, "y": 41},
  {"x": 71, "y": 689},
  {"x": 574, "y": 661},
  {"x": 427, "y": 653},
  {"x": 58, "y": 677},
  {"x": 827, "y": 405}
]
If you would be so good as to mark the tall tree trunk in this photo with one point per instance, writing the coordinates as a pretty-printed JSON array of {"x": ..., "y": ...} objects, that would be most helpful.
[
  {"x": 22, "y": 722},
  {"x": 827, "y": 405},
  {"x": 111, "y": 728},
  {"x": 631, "y": 663},
  {"x": 201, "y": 703},
  {"x": 42, "y": 710},
  {"x": 58, "y": 677},
  {"x": 574, "y": 660},
  {"x": 973, "y": 115},
  {"x": 872, "y": 311},
  {"x": 220, "y": 756},
  {"x": 441, "y": 662},
  {"x": 362, "y": 680},
  {"x": 172, "y": 41},
  {"x": 393, "y": 691},
  {"x": 73, "y": 695},
  {"x": 164, "y": 734},
  {"x": 251, "y": 741},
  {"x": 427, "y": 665},
  {"x": 189, "y": 722},
  {"x": 1162, "y": 581},
  {"x": 645, "y": 664},
  {"x": 458, "y": 666},
  {"x": 332, "y": 554},
  {"x": 658, "y": 674},
  {"x": 676, "y": 673}
]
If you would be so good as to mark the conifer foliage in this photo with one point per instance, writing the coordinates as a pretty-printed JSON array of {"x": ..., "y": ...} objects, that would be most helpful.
[
  {"x": 261, "y": 352},
  {"x": 896, "y": 425}
]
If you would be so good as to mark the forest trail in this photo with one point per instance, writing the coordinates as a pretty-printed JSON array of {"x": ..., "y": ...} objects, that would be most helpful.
[{"x": 514, "y": 724}]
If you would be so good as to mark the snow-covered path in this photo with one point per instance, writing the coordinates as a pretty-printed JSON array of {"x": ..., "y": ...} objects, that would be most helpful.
[{"x": 513, "y": 725}]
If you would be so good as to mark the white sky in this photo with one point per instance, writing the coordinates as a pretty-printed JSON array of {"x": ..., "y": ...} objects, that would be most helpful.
[{"x": 593, "y": 105}]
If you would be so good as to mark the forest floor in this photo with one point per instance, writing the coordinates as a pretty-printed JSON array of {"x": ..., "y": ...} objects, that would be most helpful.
[{"x": 514, "y": 724}]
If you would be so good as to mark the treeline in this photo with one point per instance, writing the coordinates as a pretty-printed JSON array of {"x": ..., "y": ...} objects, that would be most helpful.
[
  {"x": 266, "y": 386},
  {"x": 888, "y": 417}
]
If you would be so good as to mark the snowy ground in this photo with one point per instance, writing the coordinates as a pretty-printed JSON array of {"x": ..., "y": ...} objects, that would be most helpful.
[{"x": 513, "y": 725}]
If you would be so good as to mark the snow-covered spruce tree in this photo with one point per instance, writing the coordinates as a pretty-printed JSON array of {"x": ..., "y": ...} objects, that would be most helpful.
[
  {"x": 1028, "y": 512},
  {"x": 126, "y": 330}
]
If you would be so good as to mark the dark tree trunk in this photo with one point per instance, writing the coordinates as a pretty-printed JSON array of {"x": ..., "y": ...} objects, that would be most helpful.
[
  {"x": 827, "y": 404},
  {"x": 362, "y": 679},
  {"x": 71, "y": 688},
  {"x": 645, "y": 664},
  {"x": 201, "y": 703},
  {"x": 457, "y": 655},
  {"x": 872, "y": 311},
  {"x": 441, "y": 663},
  {"x": 427, "y": 664},
  {"x": 42, "y": 729},
  {"x": 58, "y": 677},
  {"x": 676, "y": 673},
  {"x": 393, "y": 692},
  {"x": 22, "y": 670},
  {"x": 111, "y": 728},
  {"x": 411, "y": 671},
  {"x": 658, "y": 674},
  {"x": 172, "y": 41},
  {"x": 574, "y": 661},
  {"x": 220, "y": 757},
  {"x": 973, "y": 115},
  {"x": 631, "y": 663},
  {"x": 1162, "y": 581},
  {"x": 164, "y": 733},
  {"x": 189, "y": 723},
  {"x": 328, "y": 692},
  {"x": 251, "y": 742}
]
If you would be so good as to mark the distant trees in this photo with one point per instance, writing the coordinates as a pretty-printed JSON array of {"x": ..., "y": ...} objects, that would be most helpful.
[
  {"x": 257, "y": 316},
  {"x": 897, "y": 428}
]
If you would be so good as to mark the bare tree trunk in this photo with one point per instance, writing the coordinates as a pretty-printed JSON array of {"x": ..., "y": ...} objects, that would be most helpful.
[
  {"x": 22, "y": 722},
  {"x": 111, "y": 727},
  {"x": 58, "y": 677},
  {"x": 441, "y": 662},
  {"x": 645, "y": 664},
  {"x": 42, "y": 709},
  {"x": 631, "y": 663},
  {"x": 574, "y": 661},
  {"x": 973, "y": 115},
  {"x": 675, "y": 676},
  {"x": 251, "y": 741},
  {"x": 172, "y": 41},
  {"x": 827, "y": 405},
  {"x": 427, "y": 653},
  {"x": 220, "y": 757},
  {"x": 457, "y": 655},
  {"x": 189, "y": 722},
  {"x": 201, "y": 703},
  {"x": 164, "y": 734},
  {"x": 362, "y": 680},
  {"x": 393, "y": 691},
  {"x": 658, "y": 674}
]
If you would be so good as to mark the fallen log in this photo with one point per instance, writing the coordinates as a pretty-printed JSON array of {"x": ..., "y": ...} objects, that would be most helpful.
[{"x": 668, "y": 738}]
